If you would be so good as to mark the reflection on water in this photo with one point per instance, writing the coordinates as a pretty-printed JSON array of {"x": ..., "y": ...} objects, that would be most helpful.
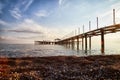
[{"x": 29, "y": 50}]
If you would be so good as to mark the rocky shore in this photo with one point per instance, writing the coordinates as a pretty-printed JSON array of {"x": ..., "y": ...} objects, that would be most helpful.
[{"x": 61, "y": 68}]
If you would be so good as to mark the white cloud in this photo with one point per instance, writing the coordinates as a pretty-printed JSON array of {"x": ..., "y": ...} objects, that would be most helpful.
[
  {"x": 31, "y": 29},
  {"x": 29, "y": 2},
  {"x": 112, "y": 0},
  {"x": 3, "y": 23},
  {"x": 14, "y": 40},
  {"x": 6, "y": 38},
  {"x": 116, "y": 5},
  {"x": 16, "y": 13},
  {"x": 45, "y": 32},
  {"x": 29, "y": 24},
  {"x": 61, "y": 2},
  {"x": 24, "y": 32},
  {"x": 105, "y": 14},
  {"x": 42, "y": 13}
]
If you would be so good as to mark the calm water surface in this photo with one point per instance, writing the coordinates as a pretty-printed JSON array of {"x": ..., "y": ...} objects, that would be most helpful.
[{"x": 30, "y": 50}]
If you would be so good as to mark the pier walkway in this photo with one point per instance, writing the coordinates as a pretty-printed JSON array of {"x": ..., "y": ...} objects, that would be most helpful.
[
  {"x": 83, "y": 37},
  {"x": 100, "y": 31}
]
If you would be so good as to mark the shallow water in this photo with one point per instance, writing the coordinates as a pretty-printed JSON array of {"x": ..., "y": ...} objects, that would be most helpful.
[{"x": 31, "y": 50}]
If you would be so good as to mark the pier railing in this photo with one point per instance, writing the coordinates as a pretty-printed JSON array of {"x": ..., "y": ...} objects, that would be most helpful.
[
  {"x": 100, "y": 31},
  {"x": 70, "y": 41}
]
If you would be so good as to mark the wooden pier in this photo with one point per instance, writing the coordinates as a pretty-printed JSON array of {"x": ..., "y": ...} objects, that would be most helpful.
[
  {"x": 44, "y": 42},
  {"x": 85, "y": 35},
  {"x": 75, "y": 40},
  {"x": 100, "y": 31}
]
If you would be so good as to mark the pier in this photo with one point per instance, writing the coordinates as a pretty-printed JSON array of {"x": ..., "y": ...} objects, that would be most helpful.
[
  {"x": 44, "y": 42},
  {"x": 70, "y": 41},
  {"x": 85, "y": 37},
  {"x": 88, "y": 35}
]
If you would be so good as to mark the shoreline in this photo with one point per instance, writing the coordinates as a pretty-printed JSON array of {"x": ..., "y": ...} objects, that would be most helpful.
[{"x": 61, "y": 68}]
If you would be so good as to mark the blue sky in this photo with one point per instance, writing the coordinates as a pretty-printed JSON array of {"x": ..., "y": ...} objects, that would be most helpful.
[{"x": 29, "y": 20}]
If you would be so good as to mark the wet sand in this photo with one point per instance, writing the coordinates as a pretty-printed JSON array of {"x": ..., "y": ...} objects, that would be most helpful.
[{"x": 61, "y": 68}]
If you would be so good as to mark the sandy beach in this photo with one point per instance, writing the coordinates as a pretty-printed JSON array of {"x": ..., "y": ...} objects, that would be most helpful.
[{"x": 61, "y": 68}]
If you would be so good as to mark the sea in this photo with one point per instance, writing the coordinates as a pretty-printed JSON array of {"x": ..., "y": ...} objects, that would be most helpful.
[{"x": 31, "y": 50}]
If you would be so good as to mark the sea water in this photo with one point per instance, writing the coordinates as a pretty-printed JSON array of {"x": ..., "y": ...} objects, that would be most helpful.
[{"x": 31, "y": 50}]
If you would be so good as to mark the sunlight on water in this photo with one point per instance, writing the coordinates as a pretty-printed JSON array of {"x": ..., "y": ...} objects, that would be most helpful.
[{"x": 30, "y": 50}]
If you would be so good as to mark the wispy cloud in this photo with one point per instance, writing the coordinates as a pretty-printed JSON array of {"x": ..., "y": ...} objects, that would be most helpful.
[
  {"x": 3, "y": 30},
  {"x": 13, "y": 40},
  {"x": 115, "y": 5},
  {"x": 3, "y": 38},
  {"x": 25, "y": 31},
  {"x": 16, "y": 13},
  {"x": 28, "y": 3},
  {"x": 105, "y": 14},
  {"x": 29, "y": 25},
  {"x": 36, "y": 29},
  {"x": 1, "y": 7},
  {"x": 41, "y": 13},
  {"x": 31, "y": 37},
  {"x": 60, "y": 2},
  {"x": 3, "y": 23},
  {"x": 25, "y": 27},
  {"x": 28, "y": 31}
]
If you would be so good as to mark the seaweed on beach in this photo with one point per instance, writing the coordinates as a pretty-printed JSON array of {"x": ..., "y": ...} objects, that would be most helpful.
[{"x": 61, "y": 68}]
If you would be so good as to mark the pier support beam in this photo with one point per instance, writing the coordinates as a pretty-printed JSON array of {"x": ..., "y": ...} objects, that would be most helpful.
[
  {"x": 82, "y": 43},
  {"x": 90, "y": 36},
  {"x": 77, "y": 43},
  {"x": 69, "y": 43},
  {"x": 102, "y": 42},
  {"x": 85, "y": 43},
  {"x": 66, "y": 43},
  {"x": 89, "y": 42},
  {"x": 72, "y": 43}
]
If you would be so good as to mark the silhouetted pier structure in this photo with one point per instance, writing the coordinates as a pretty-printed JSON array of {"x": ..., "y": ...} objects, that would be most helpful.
[
  {"x": 83, "y": 38},
  {"x": 70, "y": 41},
  {"x": 44, "y": 42}
]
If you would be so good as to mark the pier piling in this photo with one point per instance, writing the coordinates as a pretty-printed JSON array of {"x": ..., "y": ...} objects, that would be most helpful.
[
  {"x": 85, "y": 43},
  {"x": 102, "y": 41},
  {"x": 77, "y": 43}
]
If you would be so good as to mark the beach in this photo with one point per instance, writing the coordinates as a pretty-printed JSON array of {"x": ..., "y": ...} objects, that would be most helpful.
[{"x": 97, "y": 67}]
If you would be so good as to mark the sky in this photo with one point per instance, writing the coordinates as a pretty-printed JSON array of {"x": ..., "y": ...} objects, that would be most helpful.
[{"x": 25, "y": 21}]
